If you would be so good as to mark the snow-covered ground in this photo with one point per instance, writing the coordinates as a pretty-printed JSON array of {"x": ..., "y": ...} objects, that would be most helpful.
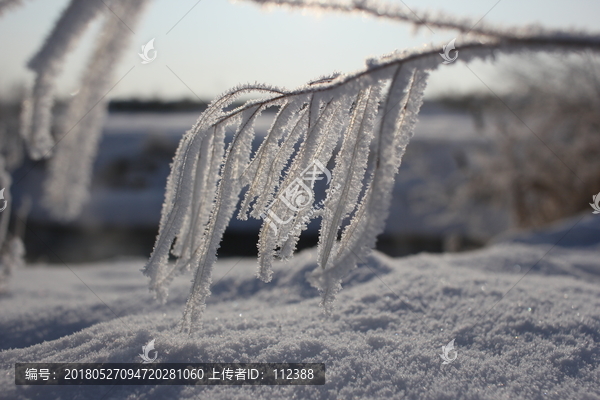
[{"x": 518, "y": 335}]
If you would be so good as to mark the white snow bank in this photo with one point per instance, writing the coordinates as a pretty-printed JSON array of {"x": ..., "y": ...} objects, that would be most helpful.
[{"x": 538, "y": 341}]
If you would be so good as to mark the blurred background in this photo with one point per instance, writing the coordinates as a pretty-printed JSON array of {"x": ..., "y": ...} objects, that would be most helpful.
[{"x": 499, "y": 147}]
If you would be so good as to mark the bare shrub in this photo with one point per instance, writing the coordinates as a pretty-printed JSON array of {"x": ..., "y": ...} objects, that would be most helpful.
[{"x": 544, "y": 164}]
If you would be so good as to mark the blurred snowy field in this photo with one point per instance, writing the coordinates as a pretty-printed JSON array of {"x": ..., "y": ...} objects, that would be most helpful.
[
  {"x": 133, "y": 159},
  {"x": 518, "y": 335},
  {"x": 131, "y": 169}
]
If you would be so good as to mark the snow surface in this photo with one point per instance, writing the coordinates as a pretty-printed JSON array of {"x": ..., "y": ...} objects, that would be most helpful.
[{"x": 383, "y": 340}]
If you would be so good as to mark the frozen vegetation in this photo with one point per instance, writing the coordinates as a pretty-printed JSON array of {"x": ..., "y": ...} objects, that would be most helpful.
[
  {"x": 369, "y": 114},
  {"x": 522, "y": 312}
]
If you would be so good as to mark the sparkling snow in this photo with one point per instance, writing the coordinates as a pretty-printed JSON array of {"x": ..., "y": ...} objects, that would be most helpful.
[{"x": 383, "y": 339}]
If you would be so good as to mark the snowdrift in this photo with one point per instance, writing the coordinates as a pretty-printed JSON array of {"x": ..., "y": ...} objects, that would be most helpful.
[{"x": 517, "y": 335}]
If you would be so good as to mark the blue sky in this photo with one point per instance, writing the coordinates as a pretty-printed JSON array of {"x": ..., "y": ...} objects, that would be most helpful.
[{"x": 220, "y": 44}]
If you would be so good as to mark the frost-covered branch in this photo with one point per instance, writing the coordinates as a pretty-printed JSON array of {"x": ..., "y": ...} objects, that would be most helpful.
[
  {"x": 397, "y": 12},
  {"x": 67, "y": 186},
  {"x": 12, "y": 250},
  {"x": 48, "y": 64},
  {"x": 77, "y": 136},
  {"x": 370, "y": 115},
  {"x": 5, "y": 203}
]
